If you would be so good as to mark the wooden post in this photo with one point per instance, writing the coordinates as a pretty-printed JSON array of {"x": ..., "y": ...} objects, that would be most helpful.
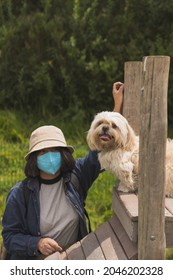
[
  {"x": 132, "y": 89},
  {"x": 153, "y": 134}
]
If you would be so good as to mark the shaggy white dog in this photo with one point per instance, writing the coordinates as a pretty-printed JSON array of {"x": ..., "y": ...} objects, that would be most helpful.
[{"x": 118, "y": 146}]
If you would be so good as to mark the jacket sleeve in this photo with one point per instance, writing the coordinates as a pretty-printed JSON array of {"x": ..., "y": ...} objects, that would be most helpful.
[
  {"x": 16, "y": 239},
  {"x": 87, "y": 170}
]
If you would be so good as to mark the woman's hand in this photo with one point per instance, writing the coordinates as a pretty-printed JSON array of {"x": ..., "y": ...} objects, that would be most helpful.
[
  {"x": 117, "y": 92},
  {"x": 48, "y": 246}
]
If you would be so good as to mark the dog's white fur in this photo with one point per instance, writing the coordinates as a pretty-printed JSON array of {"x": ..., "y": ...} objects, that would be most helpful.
[{"x": 118, "y": 146}]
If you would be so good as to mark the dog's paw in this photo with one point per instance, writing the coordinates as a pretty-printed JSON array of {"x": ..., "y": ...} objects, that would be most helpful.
[
  {"x": 169, "y": 195},
  {"x": 123, "y": 188}
]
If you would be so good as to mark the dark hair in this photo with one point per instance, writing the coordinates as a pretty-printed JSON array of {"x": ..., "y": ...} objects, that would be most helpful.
[{"x": 68, "y": 163}]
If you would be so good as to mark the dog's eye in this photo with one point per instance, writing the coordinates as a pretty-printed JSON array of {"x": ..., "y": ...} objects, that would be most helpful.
[
  {"x": 114, "y": 125},
  {"x": 99, "y": 123}
]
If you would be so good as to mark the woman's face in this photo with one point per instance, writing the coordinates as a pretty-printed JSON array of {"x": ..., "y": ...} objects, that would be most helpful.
[{"x": 45, "y": 159}]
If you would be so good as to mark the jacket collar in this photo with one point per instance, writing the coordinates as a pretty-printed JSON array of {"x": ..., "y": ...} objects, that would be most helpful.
[
  {"x": 66, "y": 177},
  {"x": 33, "y": 183}
]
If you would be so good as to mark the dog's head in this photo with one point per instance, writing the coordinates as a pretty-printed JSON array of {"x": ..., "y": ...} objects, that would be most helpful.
[{"x": 110, "y": 131}]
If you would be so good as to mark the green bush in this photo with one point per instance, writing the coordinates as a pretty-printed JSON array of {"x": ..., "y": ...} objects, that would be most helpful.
[
  {"x": 65, "y": 55},
  {"x": 11, "y": 127}
]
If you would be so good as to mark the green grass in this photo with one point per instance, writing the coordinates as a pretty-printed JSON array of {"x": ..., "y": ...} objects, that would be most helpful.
[{"x": 99, "y": 200}]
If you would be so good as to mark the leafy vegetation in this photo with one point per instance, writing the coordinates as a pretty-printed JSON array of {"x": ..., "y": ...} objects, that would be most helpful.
[{"x": 65, "y": 55}]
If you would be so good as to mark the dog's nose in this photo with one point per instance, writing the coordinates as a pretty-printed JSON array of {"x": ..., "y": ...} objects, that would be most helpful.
[{"x": 105, "y": 129}]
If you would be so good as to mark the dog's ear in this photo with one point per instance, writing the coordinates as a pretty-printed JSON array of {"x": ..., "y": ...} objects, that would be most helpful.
[
  {"x": 130, "y": 138},
  {"x": 90, "y": 141}
]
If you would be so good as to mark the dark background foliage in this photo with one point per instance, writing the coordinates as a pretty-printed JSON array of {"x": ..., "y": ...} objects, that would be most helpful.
[{"x": 63, "y": 56}]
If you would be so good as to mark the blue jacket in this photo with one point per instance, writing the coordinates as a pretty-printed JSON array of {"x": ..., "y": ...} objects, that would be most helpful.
[{"x": 21, "y": 224}]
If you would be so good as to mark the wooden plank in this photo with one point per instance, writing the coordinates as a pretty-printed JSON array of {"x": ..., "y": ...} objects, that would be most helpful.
[
  {"x": 130, "y": 226},
  {"x": 63, "y": 256},
  {"x": 125, "y": 207},
  {"x": 152, "y": 148},
  {"x": 57, "y": 256},
  {"x": 169, "y": 204},
  {"x": 130, "y": 248},
  {"x": 109, "y": 243},
  {"x": 91, "y": 247},
  {"x": 130, "y": 202},
  {"x": 169, "y": 222},
  {"x": 168, "y": 216},
  {"x": 132, "y": 89},
  {"x": 169, "y": 234},
  {"x": 75, "y": 252}
]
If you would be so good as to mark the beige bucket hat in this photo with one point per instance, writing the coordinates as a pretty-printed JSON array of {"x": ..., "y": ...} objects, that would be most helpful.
[{"x": 47, "y": 136}]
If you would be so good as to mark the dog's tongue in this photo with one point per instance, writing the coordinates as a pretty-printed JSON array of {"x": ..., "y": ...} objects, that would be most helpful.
[{"x": 105, "y": 137}]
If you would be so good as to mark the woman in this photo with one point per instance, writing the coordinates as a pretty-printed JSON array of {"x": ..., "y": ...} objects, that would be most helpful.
[{"x": 45, "y": 212}]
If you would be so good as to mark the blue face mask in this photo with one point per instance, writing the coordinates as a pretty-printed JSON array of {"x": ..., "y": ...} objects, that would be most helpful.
[{"x": 49, "y": 162}]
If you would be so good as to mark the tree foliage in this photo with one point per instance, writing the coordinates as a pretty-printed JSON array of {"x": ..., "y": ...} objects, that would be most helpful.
[{"x": 58, "y": 56}]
